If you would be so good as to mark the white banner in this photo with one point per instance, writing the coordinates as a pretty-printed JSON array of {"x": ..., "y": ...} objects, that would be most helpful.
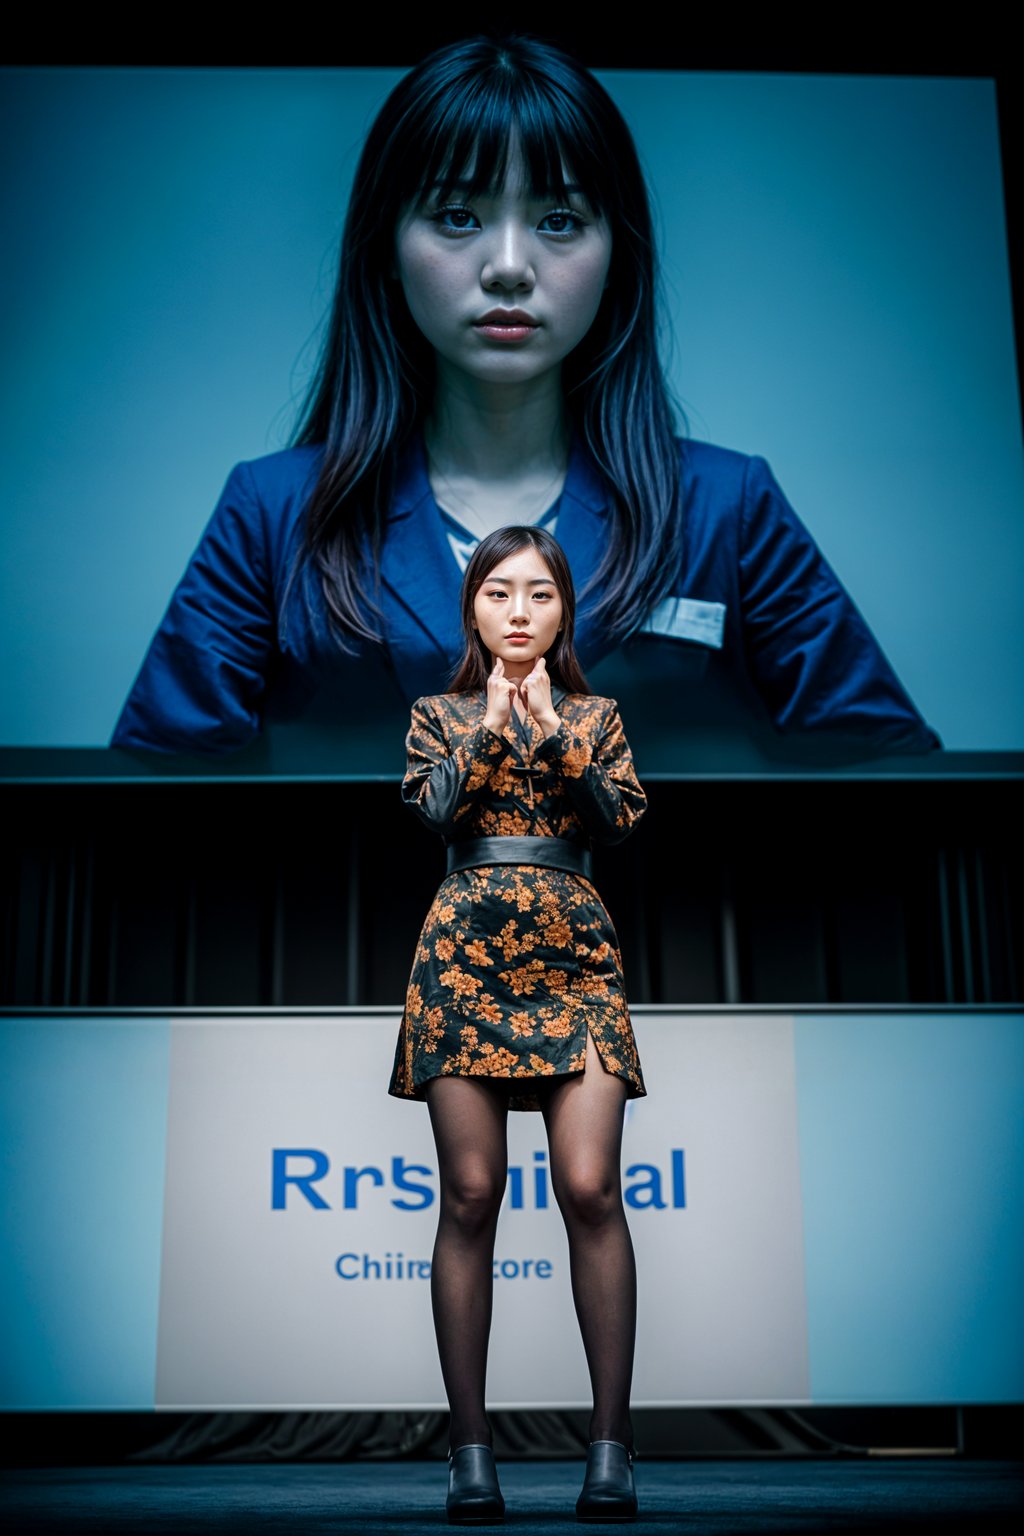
[
  {"x": 301, "y": 1204},
  {"x": 827, "y": 1206}
]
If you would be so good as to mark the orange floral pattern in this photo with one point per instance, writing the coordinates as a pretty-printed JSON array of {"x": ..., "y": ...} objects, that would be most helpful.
[{"x": 515, "y": 963}]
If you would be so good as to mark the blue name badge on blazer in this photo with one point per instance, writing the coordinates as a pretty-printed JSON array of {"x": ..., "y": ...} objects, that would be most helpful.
[{"x": 686, "y": 618}]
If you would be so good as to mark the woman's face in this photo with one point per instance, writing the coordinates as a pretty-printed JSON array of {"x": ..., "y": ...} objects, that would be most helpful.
[
  {"x": 504, "y": 285},
  {"x": 518, "y": 610}
]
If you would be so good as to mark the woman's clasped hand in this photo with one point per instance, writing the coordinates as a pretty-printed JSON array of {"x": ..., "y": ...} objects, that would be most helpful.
[{"x": 534, "y": 690}]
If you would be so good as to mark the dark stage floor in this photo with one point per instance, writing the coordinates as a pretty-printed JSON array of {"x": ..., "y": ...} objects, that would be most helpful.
[{"x": 383, "y": 1497}]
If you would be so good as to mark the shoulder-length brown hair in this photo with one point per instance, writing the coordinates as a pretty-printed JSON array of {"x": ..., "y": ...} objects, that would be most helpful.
[{"x": 474, "y": 668}]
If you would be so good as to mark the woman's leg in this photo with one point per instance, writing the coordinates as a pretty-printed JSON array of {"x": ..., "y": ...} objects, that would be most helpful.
[
  {"x": 584, "y": 1118},
  {"x": 469, "y": 1121}
]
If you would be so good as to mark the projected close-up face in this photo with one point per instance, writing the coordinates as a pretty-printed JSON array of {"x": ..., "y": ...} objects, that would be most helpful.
[
  {"x": 505, "y": 284},
  {"x": 731, "y": 342}
]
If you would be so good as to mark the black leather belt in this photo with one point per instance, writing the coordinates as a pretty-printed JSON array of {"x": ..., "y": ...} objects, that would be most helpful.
[{"x": 549, "y": 852}]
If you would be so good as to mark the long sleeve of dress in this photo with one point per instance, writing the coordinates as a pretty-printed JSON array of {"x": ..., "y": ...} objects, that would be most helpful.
[
  {"x": 601, "y": 782},
  {"x": 445, "y": 777},
  {"x": 200, "y": 688}
]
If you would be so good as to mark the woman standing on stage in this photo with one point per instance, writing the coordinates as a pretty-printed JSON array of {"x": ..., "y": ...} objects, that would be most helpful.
[
  {"x": 505, "y": 253},
  {"x": 491, "y": 360},
  {"x": 516, "y": 997}
]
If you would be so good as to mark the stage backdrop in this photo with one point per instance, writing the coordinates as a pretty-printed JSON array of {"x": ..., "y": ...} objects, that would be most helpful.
[
  {"x": 837, "y": 291},
  {"x": 230, "y": 1212}
]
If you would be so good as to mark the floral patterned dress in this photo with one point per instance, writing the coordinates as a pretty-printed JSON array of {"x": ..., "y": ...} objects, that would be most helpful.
[{"x": 516, "y": 962}]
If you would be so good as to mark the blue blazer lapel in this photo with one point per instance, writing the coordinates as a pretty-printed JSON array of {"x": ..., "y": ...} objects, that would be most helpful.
[
  {"x": 583, "y": 528},
  {"x": 420, "y": 583}
]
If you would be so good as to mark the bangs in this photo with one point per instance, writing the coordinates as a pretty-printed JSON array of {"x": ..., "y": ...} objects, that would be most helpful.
[{"x": 475, "y": 129}]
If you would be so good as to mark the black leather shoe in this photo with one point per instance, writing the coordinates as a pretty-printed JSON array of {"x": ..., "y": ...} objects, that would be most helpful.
[
  {"x": 474, "y": 1497},
  {"x": 608, "y": 1489}
]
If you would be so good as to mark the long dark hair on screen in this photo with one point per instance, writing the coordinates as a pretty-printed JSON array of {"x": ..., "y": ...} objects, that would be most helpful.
[
  {"x": 472, "y": 670},
  {"x": 456, "y": 115}
]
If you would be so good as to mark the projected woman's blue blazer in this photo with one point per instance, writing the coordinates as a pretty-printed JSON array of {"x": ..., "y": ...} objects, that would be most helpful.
[{"x": 759, "y": 637}]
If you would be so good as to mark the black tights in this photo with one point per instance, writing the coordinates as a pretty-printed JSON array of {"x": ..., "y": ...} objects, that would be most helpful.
[{"x": 583, "y": 1115}]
